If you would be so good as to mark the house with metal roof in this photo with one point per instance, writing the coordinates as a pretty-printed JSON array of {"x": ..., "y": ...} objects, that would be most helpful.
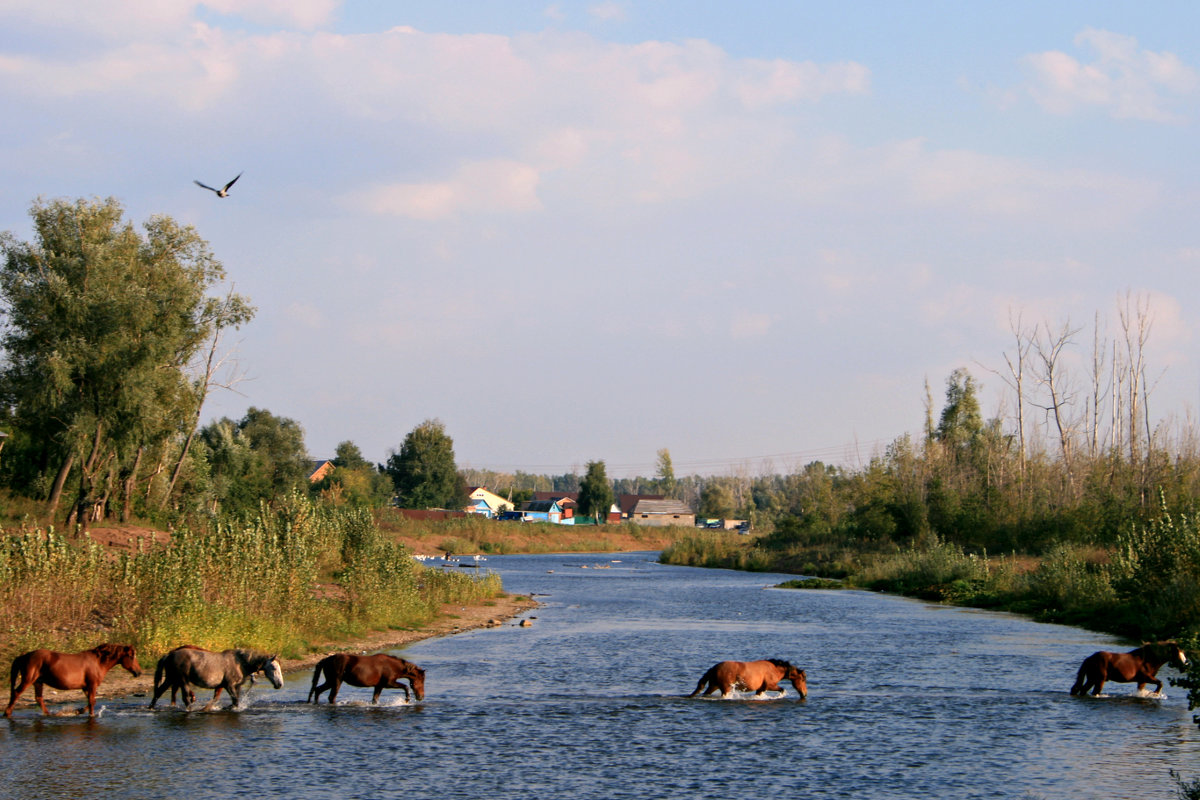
[{"x": 661, "y": 512}]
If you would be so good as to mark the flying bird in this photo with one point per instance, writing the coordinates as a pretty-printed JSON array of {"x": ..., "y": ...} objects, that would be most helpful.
[{"x": 223, "y": 191}]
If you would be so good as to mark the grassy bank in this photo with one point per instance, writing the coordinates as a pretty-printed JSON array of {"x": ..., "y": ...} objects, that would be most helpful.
[
  {"x": 475, "y": 534},
  {"x": 294, "y": 575},
  {"x": 1146, "y": 587}
]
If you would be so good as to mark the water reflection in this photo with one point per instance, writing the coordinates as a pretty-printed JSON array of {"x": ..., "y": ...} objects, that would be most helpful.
[{"x": 906, "y": 700}]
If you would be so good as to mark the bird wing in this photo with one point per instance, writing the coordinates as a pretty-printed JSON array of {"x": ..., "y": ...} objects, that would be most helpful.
[
  {"x": 204, "y": 186},
  {"x": 232, "y": 182}
]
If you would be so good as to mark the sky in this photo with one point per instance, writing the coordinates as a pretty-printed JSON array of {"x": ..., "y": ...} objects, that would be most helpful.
[{"x": 750, "y": 233}]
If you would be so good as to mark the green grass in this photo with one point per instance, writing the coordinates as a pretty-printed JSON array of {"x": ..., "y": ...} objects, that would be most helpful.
[{"x": 295, "y": 575}]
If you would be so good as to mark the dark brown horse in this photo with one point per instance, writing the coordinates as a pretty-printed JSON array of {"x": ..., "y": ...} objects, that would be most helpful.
[
  {"x": 751, "y": 676},
  {"x": 381, "y": 671},
  {"x": 1139, "y": 665},
  {"x": 69, "y": 671}
]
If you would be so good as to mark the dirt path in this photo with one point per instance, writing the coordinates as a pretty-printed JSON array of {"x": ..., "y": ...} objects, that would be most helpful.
[{"x": 453, "y": 619}]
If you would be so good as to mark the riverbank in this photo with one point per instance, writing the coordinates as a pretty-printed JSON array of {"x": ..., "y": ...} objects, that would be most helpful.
[
  {"x": 476, "y": 534},
  {"x": 1145, "y": 588},
  {"x": 452, "y": 619}
]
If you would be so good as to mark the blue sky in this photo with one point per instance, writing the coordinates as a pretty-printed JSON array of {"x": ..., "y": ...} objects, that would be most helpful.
[{"x": 749, "y": 233}]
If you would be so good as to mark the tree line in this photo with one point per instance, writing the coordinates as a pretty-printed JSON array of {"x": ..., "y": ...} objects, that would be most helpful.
[
  {"x": 114, "y": 337},
  {"x": 113, "y": 341}
]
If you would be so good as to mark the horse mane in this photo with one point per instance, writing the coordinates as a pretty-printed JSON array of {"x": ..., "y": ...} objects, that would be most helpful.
[
  {"x": 111, "y": 650},
  {"x": 252, "y": 659},
  {"x": 779, "y": 662},
  {"x": 1165, "y": 650}
]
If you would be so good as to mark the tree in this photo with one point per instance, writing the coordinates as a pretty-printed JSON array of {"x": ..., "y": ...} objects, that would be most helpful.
[
  {"x": 961, "y": 423},
  {"x": 258, "y": 458},
  {"x": 716, "y": 500},
  {"x": 349, "y": 456},
  {"x": 666, "y": 472},
  {"x": 423, "y": 470},
  {"x": 595, "y": 492},
  {"x": 103, "y": 323},
  {"x": 355, "y": 480}
]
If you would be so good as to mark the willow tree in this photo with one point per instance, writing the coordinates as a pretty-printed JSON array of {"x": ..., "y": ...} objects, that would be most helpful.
[{"x": 103, "y": 325}]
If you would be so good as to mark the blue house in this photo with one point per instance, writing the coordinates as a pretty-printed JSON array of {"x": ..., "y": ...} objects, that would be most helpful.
[{"x": 544, "y": 511}]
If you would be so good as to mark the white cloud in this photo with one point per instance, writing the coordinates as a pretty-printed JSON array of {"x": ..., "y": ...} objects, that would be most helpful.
[
  {"x": 767, "y": 83},
  {"x": 138, "y": 19},
  {"x": 302, "y": 14},
  {"x": 497, "y": 186},
  {"x": 608, "y": 12},
  {"x": 1121, "y": 79},
  {"x": 989, "y": 187}
]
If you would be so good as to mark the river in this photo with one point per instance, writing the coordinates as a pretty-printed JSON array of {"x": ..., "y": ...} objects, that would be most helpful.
[{"x": 906, "y": 700}]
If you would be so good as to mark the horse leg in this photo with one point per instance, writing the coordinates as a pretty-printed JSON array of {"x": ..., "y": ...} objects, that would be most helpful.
[
  {"x": 234, "y": 695},
  {"x": 398, "y": 683},
  {"x": 158, "y": 692},
  {"x": 314, "y": 694},
  {"x": 90, "y": 689},
  {"x": 38, "y": 686},
  {"x": 313, "y": 690},
  {"x": 378, "y": 691},
  {"x": 337, "y": 684}
]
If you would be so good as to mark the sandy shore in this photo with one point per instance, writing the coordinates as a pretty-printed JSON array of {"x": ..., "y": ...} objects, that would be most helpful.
[{"x": 453, "y": 619}]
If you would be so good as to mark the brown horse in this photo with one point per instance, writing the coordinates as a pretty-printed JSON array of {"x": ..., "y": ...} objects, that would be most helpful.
[
  {"x": 381, "y": 671},
  {"x": 752, "y": 676},
  {"x": 1139, "y": 665},
  {"x": 69, "y": 671}
]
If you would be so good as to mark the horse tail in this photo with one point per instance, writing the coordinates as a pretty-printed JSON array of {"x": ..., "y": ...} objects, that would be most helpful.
[
  {"x": 1080, "y": 684},
  {"x": 705, "y": 678},
  {"x": 316, "y": 678},
  {"x": 159, "y": 669},
  {"x": 19, "y": 665}
]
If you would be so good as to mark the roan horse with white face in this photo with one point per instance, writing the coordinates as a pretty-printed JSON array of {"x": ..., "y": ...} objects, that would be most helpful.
[{"x": 185, "y": 667}]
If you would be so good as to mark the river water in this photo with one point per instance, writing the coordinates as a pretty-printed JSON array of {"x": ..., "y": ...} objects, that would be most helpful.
[{"x": 906, "y": 700}]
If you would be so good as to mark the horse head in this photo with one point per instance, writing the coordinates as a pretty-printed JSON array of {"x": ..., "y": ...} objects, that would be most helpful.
[
  {"x": 792, "y": 673},
  {"x": 1168, "y": 652},
  {"x": 416, "y": 677},
  {"x": 798, "y": 678},
  {"x": 123, "y": 654},
  {"x": 274, "y": 671}
]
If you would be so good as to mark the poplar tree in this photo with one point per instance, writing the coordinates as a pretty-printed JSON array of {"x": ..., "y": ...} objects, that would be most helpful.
[
  {"x": 666, "y": 473},
  {"x": 595, "y": 492}
]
